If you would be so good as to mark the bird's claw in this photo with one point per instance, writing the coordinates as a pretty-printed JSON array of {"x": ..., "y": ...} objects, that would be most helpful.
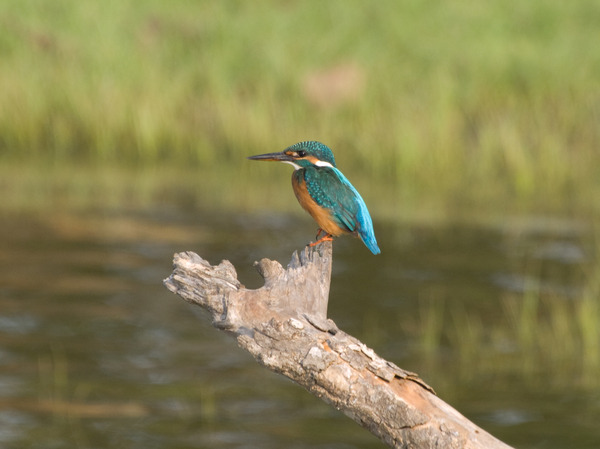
[{"x": 326, "y": 238}]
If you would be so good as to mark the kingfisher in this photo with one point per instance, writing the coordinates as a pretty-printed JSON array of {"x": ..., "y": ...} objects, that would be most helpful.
[{"x": 325, "y": 193}]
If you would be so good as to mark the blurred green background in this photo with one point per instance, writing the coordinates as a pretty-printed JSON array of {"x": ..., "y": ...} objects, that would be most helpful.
[
  {"x": 472, "y": 130},
  {"x": 454, "y": 101}
]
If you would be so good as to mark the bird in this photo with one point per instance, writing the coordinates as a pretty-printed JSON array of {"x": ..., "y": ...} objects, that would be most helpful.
[{"x": 325, "y": 193}]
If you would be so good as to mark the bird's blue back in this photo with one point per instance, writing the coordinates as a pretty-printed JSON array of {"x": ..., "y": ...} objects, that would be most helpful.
[{"x": 332, "y": 190}]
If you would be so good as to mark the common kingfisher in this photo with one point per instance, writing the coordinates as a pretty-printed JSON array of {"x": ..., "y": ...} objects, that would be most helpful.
[{"x": 325, "y": 193}]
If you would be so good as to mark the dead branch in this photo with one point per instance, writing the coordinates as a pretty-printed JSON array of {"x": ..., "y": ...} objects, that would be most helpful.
[{"x": 284, "y": 325}]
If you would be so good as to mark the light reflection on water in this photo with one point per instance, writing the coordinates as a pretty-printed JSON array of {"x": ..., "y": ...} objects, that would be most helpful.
[{"x": 95, "y": 352}]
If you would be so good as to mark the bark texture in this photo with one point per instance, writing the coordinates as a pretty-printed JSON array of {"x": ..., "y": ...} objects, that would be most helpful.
[{"x": 284, "y": 325}]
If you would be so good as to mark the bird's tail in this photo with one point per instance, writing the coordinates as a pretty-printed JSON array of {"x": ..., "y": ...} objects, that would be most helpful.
[
  {"x": 369, "y": 240},
  {"x": 366, "y": 232}
]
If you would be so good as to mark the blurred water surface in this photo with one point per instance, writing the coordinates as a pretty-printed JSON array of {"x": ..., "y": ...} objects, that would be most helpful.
[{"x": 95, "y": 352}]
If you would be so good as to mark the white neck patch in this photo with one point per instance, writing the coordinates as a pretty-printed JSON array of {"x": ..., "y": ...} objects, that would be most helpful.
[
  {"x": 323, "y": 164},
  {"x": 296, "y": 166}
]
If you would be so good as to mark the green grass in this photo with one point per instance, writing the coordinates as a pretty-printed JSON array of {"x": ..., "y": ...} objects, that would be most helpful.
[
  {"x": 465, "y": 101},
  {"x": 534, "y": 334}
]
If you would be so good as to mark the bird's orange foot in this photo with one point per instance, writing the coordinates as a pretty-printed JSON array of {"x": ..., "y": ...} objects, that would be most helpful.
[{"x": 325, "y": 238}]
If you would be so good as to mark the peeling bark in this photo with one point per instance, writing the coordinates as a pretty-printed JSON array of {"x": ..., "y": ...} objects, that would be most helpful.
[{"x": 284, "y": 325}]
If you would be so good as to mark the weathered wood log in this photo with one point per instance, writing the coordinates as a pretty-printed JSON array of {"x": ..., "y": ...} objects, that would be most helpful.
[{"x": 284, "y": 325}]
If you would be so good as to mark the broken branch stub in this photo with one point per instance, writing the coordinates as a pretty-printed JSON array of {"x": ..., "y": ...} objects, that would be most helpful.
[{"x": 284, "y": 325}]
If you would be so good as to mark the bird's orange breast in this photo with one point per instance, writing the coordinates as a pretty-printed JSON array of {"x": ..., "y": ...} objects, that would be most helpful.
[{"x": 320, "y": 214}]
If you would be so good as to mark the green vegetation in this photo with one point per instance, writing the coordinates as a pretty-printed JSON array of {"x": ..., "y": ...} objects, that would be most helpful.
[
  {"x": 435, "y": 110},
  {"x": 530, "y": 336},
  {"x": 460, "y": 101}
]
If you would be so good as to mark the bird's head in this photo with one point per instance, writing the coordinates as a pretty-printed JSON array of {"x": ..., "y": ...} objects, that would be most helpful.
[{"x": 301, "y": 155}]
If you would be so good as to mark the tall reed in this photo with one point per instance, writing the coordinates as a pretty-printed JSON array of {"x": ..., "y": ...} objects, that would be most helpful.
[{"x": 501, "y": 97}]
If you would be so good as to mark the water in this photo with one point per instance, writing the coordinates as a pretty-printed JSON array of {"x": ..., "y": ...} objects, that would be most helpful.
[{"x": 95, "y": 352}]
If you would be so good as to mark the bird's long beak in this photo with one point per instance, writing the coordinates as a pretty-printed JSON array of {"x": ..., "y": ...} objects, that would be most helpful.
[{"x": 282, "y": 157}]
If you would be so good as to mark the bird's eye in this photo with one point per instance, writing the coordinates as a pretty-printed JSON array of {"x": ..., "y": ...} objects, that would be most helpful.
[{"x": 301, "y": 153}]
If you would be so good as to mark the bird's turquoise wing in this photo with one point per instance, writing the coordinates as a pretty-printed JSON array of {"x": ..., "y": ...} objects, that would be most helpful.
[{"x": 332, "y": 190}]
